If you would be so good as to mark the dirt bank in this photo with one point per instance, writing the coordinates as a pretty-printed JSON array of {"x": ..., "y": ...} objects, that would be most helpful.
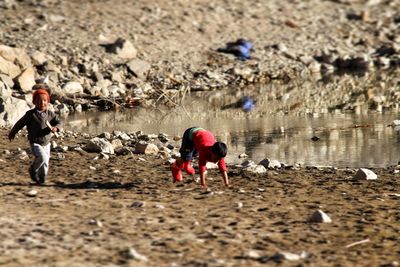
[{"x": 91, "y": 212}]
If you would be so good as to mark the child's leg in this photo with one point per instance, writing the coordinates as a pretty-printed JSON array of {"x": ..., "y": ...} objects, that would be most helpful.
[
  {"x": 41, "y": 162},
  {"x": 186, "y": 152},
  {"x": 188, "y": 168}
]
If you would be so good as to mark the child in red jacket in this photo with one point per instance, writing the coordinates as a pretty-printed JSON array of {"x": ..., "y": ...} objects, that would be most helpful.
[{"x": 197, "y": 140}]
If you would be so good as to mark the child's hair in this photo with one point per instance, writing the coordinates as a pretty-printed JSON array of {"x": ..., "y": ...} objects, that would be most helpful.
[{"x": 219, "y": 149}]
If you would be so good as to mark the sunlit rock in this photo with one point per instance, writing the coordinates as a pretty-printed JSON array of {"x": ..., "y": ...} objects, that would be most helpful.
[{"x": 365, "y": 174}]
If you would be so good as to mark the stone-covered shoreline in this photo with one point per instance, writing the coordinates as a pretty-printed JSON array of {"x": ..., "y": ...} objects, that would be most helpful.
[{"x": 92, "y": 61}]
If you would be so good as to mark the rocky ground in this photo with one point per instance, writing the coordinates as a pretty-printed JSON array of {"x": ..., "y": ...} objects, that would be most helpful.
[
  {"x": 116, "y": 53},
  {"x": 108, "y": 210}
]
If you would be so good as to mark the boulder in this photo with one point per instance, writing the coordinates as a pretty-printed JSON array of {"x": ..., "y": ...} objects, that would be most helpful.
[
  {"x": 365, "y": 174},
  {"x": 123, "y": 48},
  {"x": 139, "y": 67},
  {"x": 117, "y": 143},
  {"x": 9, "y": 68},
  {"x": 7, "y": 80},
  {"x": 271, "y": 164},
  {"x": 145, "y": 148},
  {"x": 5, "y": 91},
  {"x": 99, "y": 145},
  {"x": 38, "y": 58},
  {"x": 15, "y": 55},
  {"x": 11, "y": 109},
  {"x": 73, "y": 88},
  {"x": 26, "y": 80},
  {"x": 254, "y": 169}
]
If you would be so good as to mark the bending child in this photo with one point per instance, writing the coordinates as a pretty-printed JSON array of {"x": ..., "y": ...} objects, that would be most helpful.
[
  {"x": 197, "y": 140},
  {"x": 40, "y": 123}
]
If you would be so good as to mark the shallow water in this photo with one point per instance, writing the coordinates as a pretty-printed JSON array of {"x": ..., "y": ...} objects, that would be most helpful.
[{"x": 346, "y": 140}]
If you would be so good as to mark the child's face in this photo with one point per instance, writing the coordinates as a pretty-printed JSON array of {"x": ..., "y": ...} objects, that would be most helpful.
[{"x": 41, "y": 102}]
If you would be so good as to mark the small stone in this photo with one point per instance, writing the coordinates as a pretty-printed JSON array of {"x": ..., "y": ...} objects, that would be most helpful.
[
  {"x": 320, "y": 217},
  {"x": 32, "y": 193},
  {"x": 315, "y": 138},
  {"x": 252, "y": 254},
  {"x": 365, "y": 174},
  {"x": 131, "y": 253},
  {"x": 243, "y": 156},
  {"x": 270, "y": 164},
  {"x": 96, "y": 222},
  {"x": 138, "y": 204},
  {"x": 280, "y": 256}
]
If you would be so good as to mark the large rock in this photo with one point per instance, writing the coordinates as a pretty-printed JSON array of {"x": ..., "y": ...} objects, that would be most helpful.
[
  {"x": 365, "y": 174},
  {"x": 73, "y": 88},
  {"x": 38, "y": 58},
  {"x": 99, "y": 145},
  {"x": 9, "y": 68},
  {"x": 15, "y": 55},
  {"x": 123, "y": 48},
  {"x": 145, "y": 148},
  {"x": 7, "y": 80},
  {"x": 11, "y": 109},
  {"x": 255, "y": 169},
  {"x": 5, "y": 91},
  {"x": 139, "y": 67},
  {"x": 271, "y": 164},
  {"x": 26, "y": 80}
]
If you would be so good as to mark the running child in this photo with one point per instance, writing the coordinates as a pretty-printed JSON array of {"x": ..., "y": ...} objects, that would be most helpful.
[{"x": 40, "y": 123}]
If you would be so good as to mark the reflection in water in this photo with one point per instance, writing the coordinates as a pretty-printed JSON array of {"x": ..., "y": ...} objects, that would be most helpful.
[{"x": 346, "y": 140}]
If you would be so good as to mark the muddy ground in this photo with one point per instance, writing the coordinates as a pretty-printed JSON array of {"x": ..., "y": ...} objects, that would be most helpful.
[{"x": 91, "y": 212}]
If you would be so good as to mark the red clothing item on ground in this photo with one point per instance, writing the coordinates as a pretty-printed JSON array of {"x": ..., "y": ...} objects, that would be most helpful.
[{"x": 203, "y": 141}]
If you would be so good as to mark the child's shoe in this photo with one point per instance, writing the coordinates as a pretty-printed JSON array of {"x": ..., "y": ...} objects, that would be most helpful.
[
  {"x": 41, "y": 180},
  {"x": 188, "y": 168},
  {"x": 176, "y": 173},
  {"x": 33, "y": 175}
]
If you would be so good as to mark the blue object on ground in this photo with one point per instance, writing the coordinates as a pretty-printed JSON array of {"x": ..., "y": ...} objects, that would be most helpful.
[
  {"x": 240, "y": 48},
  {"x": 247, "y": 104}
]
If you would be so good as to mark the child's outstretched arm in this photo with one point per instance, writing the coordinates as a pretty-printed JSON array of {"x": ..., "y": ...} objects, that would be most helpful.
[
  {"x": 17, "y": 127},
  {"x": 224, "y": 175},
  {"x": 203, "y": 180}
]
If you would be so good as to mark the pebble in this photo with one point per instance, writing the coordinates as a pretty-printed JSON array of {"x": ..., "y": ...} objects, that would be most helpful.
[
  {"x": 320, "y": 217},
  {"x": 96, "y": 222},
  {"x": 32, "y": 193},
  {"x": 131, "y": 253},
  {"x": 138, "y": 204},
  {"x": 280, "y": 256},
  {"x": 365, "y": 174}
]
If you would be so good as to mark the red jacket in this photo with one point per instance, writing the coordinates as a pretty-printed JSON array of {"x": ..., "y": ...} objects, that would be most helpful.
[{"x": 203, "y": 141}]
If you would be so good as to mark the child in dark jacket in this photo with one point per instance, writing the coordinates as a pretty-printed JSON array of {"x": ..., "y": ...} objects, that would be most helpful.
[
  {"x": 40, "y": 123},
  {"x": 197, "y": 140}
]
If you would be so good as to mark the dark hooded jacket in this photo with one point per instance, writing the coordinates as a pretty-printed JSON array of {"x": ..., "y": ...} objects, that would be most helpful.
[{"x": 35, "y": 122}]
